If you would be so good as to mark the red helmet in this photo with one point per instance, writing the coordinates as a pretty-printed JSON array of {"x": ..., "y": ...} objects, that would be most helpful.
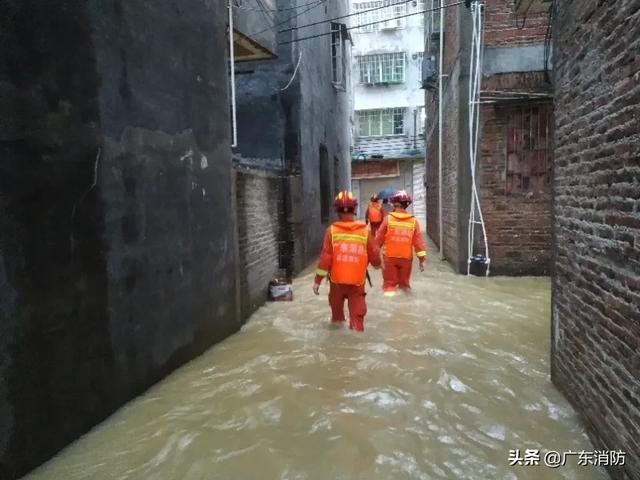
[
  {"x": 345, "y": 201},
  {"x": 400, "y": 196}
]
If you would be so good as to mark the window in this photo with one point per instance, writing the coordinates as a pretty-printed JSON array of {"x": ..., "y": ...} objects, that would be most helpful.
[
  {"x": 338, "y": 53},
  {"x": 384, "y": 16},
  {"x": 376, "y": 123},
  {"x": 528, "y": 149},
  {"x": 382, "y": 68}
]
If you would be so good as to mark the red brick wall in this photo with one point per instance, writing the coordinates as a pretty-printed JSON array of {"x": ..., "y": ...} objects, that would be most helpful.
[
  {"x": 502, "y": 27},
  {"x": 596, "y": 287},
  {"x": 518, "y": 224}
]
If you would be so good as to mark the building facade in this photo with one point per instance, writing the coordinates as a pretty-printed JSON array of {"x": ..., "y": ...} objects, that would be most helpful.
[
  {"x": 595, "y": 358},
  {"x": 293, "y": 142},
  {"x": 388, "y": 120},
  {"x": 117, "y": 259},
  {"x": 513, "y": 167}
]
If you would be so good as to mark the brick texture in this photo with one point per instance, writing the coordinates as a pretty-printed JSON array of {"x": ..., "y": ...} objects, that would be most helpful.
[
  {"x": 518, "y": 225},
  {"x": 258, "y": 197},
  {"x": 596, "y": 288},
  {"x": 503, "y": 27}
]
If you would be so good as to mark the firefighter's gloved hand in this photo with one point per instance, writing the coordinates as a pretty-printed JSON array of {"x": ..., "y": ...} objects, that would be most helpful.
[
  {"x": 316, "y": 288},
  {"x": 422, "y": 266}
]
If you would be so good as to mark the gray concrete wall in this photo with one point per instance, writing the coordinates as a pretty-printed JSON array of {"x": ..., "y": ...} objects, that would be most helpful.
[{"x": 116, "y": 246}]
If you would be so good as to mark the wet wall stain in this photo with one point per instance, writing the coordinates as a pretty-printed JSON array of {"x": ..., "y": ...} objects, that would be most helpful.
[{"x": 111, "y": 255}]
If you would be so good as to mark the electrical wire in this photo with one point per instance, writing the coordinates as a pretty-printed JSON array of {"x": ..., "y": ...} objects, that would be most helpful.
[
  {"x": 475, "y": 81},
  {"x": 314, "y": 5},
  {"x": 547, "y": 42},
  {"x": 371, "y": 23},
  {"x": 275, "y": 10},
  {"x": 403, "y": 2},
  {"x": 294, "y": 73}
]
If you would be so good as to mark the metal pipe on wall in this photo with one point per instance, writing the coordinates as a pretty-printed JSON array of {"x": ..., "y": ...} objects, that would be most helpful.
[
  {"x": 232, "y": 62},
  {"x": 440, "y": 98}
]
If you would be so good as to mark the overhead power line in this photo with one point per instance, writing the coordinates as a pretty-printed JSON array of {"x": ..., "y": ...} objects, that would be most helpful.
[
  {"x": 346, "y": 16},
  {"x": 371, "y": 23},
  {"x": 313, "y": 5},
  {"x": 274, "y": 10}
]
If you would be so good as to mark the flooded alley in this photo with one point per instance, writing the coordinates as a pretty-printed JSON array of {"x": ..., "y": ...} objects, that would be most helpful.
[{"x": 442, "y": 384}]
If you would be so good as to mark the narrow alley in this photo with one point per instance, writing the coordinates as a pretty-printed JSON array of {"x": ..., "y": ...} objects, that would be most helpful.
[
  {"x": 441, "y": 385},
  {"x": 185, "y": 184}
]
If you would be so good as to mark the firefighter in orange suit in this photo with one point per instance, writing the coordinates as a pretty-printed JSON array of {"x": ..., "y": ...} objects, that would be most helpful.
[
  {"x": 347, "y": 250},
  {"x": 374, "y": 215},
  {"x": 399, "y": 234}
]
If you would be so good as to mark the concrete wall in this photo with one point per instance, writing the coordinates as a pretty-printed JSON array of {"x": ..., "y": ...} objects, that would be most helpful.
[
  {"x": 596, "y": 320},
  {"x": 116, "y": 258},
  {"x": 290, "y": 125}
]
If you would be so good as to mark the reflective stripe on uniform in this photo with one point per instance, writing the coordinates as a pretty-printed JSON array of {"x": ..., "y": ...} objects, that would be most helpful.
[
  {"x": 407, "y": 225},
  {"x": 322, "y": 273},
  {"x": 347, "y": 236},
  {"x": 421, "y": 254}
]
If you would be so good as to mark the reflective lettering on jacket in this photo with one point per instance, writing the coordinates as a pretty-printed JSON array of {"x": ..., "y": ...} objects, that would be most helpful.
[
  {"x": 398, "y": 241},
  {"x": 350, "y": 259}
]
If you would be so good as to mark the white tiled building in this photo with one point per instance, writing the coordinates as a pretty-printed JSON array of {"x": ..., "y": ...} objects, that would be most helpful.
[{"x": 389, "y": 104}]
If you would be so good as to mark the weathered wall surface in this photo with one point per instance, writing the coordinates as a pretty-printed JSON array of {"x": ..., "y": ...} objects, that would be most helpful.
[
  {"x": 518, "y": 225},
  {"x": 116, "y": 259},
  {"x": 518, "y": 229},
  {"x": 289, "y": 125},
  {"x": 258, "y": 199},
  {"x": 596, "y": 287},
  {"x": 454, "y": 111}
]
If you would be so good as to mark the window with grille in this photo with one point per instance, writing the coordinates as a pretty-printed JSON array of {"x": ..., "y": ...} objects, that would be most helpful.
[
  {"x": 377, "y": 123},
  {"x": 338, "y": 53},
  {"x": 375, "y": 18},
  {"x": 382, "y": 68},
  {"x": 528, "y": 149}
]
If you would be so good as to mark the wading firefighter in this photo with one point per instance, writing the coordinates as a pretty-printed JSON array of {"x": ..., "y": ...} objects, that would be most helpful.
[
  {"x": 399, "y": 235},
  {"x": 374, "y": 215},
  {"x": 347, "y": 250}
]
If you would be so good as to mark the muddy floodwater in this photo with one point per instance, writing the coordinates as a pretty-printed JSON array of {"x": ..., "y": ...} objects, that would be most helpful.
[{"x": 442, "y": 384}]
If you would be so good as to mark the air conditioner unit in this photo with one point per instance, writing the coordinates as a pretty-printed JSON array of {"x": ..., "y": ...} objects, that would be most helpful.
[{"x": 429, "y": 72}]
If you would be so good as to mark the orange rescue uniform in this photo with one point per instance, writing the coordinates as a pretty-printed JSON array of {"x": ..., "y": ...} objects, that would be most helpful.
[
  {"x": 347, "y": 250},
  {"x": 374, "y": 216},
  {"x": 399, "y": 234}
]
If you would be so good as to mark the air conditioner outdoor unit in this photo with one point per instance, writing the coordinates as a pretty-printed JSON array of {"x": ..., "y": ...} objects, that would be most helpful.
[{"x": 428, "y": 70}]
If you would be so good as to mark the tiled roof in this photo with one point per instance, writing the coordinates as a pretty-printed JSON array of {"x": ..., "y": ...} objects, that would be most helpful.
[{"x": 388, "y": 147}]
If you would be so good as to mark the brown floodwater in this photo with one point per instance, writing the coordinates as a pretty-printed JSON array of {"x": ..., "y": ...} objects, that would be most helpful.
[{"x": 443, "y": 383}]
